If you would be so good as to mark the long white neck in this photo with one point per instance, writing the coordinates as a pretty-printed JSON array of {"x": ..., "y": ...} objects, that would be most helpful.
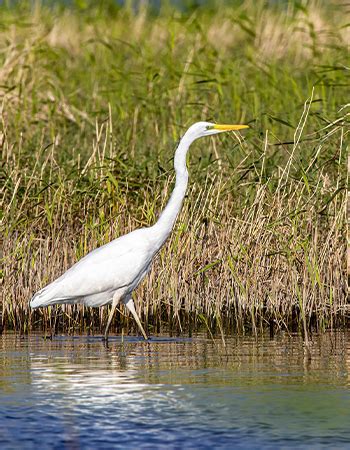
[{"x": 166, "y": 221}]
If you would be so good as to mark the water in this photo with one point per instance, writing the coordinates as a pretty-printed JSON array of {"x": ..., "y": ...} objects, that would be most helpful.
[{"x": 174, "y": 393}]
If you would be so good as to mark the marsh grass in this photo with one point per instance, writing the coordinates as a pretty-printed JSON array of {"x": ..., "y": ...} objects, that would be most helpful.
[{"x": 93, "y": 101}]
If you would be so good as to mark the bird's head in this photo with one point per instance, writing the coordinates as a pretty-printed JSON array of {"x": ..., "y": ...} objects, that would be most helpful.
[{"x": 201, "y": 129}]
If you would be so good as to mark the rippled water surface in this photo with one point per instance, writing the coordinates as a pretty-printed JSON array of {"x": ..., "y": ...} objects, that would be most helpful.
[{"x": 174, "y": 393}]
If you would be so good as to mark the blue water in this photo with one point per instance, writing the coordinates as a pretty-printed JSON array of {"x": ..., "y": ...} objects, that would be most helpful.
[{"x": 74, "y": 393}]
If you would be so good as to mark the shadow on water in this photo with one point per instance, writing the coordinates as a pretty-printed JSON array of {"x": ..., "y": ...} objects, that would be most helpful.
[{"x": 72, "y": 392}]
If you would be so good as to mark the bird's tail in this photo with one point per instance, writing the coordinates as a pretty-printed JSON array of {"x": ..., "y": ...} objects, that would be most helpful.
[
  {"x": 53, "y": 294},
  {"x": 45, "y": 297}
]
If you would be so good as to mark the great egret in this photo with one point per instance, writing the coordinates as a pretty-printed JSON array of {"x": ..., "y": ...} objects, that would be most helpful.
[{"x": 110, "y": 273}]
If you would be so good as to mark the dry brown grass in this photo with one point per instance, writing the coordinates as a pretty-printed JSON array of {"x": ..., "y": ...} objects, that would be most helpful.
[
  {"x": 273, "y": 261},
  {"x": 261, "y": 240}
]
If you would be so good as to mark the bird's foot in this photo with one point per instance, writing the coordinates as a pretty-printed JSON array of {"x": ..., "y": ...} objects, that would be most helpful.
[
  {"x": 105, "y": 341},
  {"x": 47, "y": 337}
]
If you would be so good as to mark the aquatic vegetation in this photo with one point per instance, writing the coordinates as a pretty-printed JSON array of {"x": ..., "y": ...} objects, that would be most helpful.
[{"x": 93, "y": 101}]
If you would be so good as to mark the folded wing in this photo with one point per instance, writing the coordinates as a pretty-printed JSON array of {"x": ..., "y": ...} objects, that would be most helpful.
[{"x": 114, "y": 266}]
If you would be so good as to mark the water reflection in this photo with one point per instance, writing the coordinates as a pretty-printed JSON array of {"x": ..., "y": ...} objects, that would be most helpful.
[{"x": 174, "y": 392}]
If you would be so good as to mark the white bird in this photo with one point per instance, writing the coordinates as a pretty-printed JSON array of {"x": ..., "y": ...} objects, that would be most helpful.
[{"x": 110, "y": 273}]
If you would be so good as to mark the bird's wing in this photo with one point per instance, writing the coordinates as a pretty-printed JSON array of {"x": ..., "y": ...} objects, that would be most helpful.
[{"x": 106, "y": 269}]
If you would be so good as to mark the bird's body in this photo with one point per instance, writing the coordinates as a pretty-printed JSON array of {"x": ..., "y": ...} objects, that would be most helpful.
[
  {"x": 110, "y": 273},
  {"x": 95, "y": 278}
]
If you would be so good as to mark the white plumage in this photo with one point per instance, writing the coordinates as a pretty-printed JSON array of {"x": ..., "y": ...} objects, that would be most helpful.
[
  {"x": 94, "y": 279},
  {"x": 110, "y": 273}
]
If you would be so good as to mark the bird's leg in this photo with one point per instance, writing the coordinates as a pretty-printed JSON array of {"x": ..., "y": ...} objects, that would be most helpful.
[
  {"x": 115, "y": 302},
  {"x": 129, "y": 303}
]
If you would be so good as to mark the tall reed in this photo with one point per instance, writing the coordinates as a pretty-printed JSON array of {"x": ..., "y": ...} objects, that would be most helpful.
[{"x": 93, "y": 102}]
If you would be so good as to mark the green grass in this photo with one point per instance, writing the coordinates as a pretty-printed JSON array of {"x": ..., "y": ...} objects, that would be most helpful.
[{"x": 94, "y": 99}]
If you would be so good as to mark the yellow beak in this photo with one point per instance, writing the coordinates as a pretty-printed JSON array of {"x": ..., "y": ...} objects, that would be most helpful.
[{"x": 229, "y": 127}]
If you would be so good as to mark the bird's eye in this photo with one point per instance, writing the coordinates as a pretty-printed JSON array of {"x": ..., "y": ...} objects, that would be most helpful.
[{"x": 209, "y": 127}]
